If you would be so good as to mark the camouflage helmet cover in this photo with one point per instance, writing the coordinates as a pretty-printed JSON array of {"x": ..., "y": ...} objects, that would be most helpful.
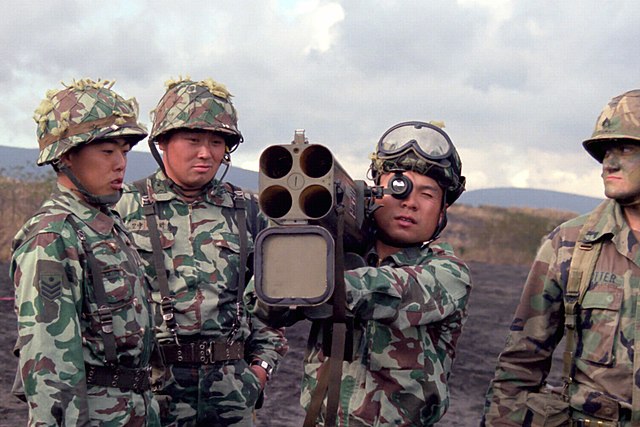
[
  {"x": 620, "y": 119},
  {"x": 82, "y": 112},
  {"x": 446, "y": 171},
  {"x": 202, "y": 105}
]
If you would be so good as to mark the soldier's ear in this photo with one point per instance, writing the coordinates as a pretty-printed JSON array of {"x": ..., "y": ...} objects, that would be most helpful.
[{"x": 66, "y": 159}]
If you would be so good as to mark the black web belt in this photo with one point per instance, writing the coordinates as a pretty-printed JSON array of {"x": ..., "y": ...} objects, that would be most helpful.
[
  {"x": 133, "y": 379},
  {"x": 201, "y": 352}
]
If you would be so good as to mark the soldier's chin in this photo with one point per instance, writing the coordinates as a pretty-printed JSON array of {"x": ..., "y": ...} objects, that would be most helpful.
[
  {"x": 394, "y": 242},
  {"x": 109, "y": 199}
]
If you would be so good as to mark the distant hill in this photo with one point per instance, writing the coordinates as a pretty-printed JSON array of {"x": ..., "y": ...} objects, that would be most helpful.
[
  {"x": 15, "y": 162},
  {"x": 18, "y": 162},
  {"x": 529, "y": 198}
]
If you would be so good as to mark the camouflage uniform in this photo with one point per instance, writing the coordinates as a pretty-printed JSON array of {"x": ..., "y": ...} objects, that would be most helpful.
[
  {"x": 411, "y": 309},
  {"x": 84, "y": 346},
  {"x": 605, "y": 387},
  {"x": 57, "y": 309},
  {"x": 404, "y": 313},
  {"x": 201, "y": 243},
  {"x": 605, "y": 353}
]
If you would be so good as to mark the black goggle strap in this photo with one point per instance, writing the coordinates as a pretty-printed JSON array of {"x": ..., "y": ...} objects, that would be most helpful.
[{"x": 378, "y": 164}]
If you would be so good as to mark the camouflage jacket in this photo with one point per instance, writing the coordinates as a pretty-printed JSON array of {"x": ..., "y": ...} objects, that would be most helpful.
[
  {"x": 604, "y": 377},
  {"x": 411, "y": 309},
  {"x": 201, "y": 246},
  {"x": 58, "y": 325}
]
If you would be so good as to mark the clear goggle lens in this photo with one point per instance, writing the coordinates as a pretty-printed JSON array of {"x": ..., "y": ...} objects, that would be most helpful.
[{"x": 425, "y": 139}]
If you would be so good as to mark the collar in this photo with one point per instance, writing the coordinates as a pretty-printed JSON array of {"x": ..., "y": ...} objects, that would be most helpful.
[
  {"x": 99, "y": 221},
  {"x": 605, "y": 221},
  {"x": 218, "y": 193},
  {"x": 405, "y": 256}
]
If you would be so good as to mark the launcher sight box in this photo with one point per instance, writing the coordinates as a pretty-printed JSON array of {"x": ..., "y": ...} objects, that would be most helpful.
[{"x": 313, "y": 201}]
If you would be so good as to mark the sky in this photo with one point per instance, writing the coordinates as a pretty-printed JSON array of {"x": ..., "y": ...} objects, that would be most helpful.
[{"x": 518, "y": 83}]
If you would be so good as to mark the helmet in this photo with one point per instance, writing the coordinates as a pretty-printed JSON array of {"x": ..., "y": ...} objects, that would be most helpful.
[
  {"x": 82, "y": 112},
  {"x": 423, "y": 148},
  {"x": 620, "y": 119},
  {"x": 197, "y": 105}
]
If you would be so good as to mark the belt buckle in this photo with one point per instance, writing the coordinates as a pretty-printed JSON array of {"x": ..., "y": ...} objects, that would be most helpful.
[
  {"x": 585, "y": 422},
  {"x": 141, "y": 379},
  {"x": 115, "y": 377},
  {"x": 90, "y": 373},
  {"x": 211, "y": 352},
  {"x": 105, "y": 317}
]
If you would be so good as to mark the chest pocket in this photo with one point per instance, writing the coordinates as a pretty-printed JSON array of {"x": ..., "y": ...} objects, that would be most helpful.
[
  {"x": 140, "y": 231},
  {"x": 142, "y": 240},
  {"x": 118, "y": 276},
  {"x": 224, "y": 253},
  {"x": 599, "y": 320}
]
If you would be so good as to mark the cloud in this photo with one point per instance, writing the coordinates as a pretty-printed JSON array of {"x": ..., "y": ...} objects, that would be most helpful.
[{"x": 518, "y": 83}]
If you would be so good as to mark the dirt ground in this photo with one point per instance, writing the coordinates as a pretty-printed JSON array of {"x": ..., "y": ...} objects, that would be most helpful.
[{"x": 494, "y": 297}]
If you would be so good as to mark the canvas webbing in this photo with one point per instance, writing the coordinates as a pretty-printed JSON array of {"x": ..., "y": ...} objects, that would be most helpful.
[
  {"x": 148, "y": 207},
  {"x": 157, "y": 255},
  {"x": 583, "y": 262},
  {"x": 329, "y": 382},
  {"x": 105, "y": 316},
  {"x": 241, "y": 218}
]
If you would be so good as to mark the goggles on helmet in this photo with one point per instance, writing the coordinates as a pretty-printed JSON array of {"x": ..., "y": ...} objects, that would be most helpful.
[{"x": 425, "y": 139}]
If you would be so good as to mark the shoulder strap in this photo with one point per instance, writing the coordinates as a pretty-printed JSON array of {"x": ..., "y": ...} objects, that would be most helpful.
[
  {"x": 239, "y": 203},
  {"x": 157, "y": 255},
  {"x": 37, "y": 227},
  {"x": 105, "y": 317},
  {"x": 583, "y": 261}
]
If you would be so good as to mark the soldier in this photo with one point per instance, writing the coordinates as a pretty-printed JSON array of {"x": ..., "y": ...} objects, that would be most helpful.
[
  {"x": 194, "y": 233},
  {"x": 601, "y": 380},
  {"x": 408, "y": 301},
  {"x": 84, "y": 336}
]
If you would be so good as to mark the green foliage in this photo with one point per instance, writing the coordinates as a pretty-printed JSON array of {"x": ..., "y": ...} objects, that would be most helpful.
[
  {"x": 485, "y": 234},
  {"x": 21, "y": 194},
  {"x": 500, "y": 235}
]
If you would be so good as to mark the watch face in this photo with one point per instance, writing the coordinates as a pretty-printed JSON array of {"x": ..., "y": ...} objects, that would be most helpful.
[{"x": 264, "y": 365}]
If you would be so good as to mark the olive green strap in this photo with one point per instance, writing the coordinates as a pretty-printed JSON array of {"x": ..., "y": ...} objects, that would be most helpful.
[
  {"x": 317, "y": 397},
  {"x": 583, "y": 261},
  {"x": 330, "y": 377}
]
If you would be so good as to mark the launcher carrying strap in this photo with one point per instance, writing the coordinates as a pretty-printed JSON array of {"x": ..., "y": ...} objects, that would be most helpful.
[{"x": 330, "y": 373}]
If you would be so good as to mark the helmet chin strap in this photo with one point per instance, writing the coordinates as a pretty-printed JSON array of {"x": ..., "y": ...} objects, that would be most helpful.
[
  {"x": 442, "y": 222},
  {"x": 629, "y": 203},
  {"x": 226, "y": 162},
  {"x": 104, "y": 201}
]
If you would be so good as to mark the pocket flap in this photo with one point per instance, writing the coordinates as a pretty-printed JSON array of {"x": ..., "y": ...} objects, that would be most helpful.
[
  {"x": 221, "y": 242},
  {"x": 604, "y": 299}
]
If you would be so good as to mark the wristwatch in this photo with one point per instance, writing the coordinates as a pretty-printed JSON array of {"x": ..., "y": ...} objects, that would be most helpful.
[{"x": 264, "y": 365}]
